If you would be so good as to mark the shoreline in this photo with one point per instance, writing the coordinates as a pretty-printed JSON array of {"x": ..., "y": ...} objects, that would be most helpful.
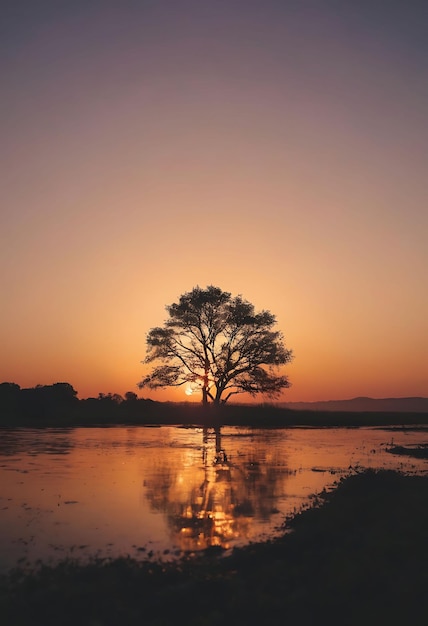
[
  {"x": 176, "y": 415},
  {"x": 357, "y": 556}
]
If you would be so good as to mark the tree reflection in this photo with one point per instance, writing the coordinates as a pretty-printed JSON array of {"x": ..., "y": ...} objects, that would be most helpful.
[{"x": 220, "y": 509}]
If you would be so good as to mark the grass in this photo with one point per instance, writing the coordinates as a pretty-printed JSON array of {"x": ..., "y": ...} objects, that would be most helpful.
[{"x": 359, "y": 556}]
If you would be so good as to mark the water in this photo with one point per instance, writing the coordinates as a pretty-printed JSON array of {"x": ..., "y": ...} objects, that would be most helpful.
[{"x": 158, "y": 492}]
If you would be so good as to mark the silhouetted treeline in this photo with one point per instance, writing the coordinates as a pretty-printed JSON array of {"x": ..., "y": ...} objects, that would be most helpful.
[
  {"x": 58, "y": 405},
  {"x": 40, "y": 402}
]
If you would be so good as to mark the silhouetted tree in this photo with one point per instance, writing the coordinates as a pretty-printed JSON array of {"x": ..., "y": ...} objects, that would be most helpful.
[
  {"x": 9, "y": 399},
  {"x": 219, "y": 345},
  {"x": 62, "y": 392},
  {"x": 110, "y": 398},
  {"x": 9, "y": 390},
  {"x": 131, "y": 396},
  {"x": 48, "y": 401}
]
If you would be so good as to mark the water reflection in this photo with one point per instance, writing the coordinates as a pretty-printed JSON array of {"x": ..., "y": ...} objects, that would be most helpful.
[
  {"x": 140, "y": 491},
  {"x": 35, "y": 441},
  {"x": 218, "y": 501}
]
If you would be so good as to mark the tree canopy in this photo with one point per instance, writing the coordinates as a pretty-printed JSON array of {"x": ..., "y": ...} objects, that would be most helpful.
[{"x": 217, "y": 344}]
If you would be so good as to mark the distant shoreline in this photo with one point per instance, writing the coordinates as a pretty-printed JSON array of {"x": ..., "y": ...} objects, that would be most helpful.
[
  {"x": 251, "y": 417},
  {"x": 58, "y": 405}
]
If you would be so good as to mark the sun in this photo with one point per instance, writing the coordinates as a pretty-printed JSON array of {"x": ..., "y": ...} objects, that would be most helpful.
[{"x": 188, "y": 391}]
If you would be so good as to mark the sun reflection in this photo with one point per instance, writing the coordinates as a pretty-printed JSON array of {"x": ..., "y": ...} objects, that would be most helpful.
[{"x": 218, "y": 500}]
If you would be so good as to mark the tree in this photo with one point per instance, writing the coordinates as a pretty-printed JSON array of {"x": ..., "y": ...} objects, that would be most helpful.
[
  {"x": 217, "y": 344},
  {"x": 131, "y": 396}
]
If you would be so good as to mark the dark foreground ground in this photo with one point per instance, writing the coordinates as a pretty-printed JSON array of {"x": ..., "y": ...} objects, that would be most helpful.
[{"x": 360, "y": 558}]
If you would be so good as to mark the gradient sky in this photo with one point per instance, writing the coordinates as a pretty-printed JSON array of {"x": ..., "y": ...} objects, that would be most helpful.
[{"x": 276, "y": 149}]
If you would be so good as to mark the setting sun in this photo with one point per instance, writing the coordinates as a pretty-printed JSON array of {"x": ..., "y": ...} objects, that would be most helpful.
[{"x": 263, "y": 149}]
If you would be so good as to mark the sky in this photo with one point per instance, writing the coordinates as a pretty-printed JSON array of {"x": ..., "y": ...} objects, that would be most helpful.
[{"x": 275, "y": 149}]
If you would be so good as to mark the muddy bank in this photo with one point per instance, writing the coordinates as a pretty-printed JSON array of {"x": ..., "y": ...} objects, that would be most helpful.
[
  {"x": 358, "y": 557},
  {"x": 418, "y": 452}
]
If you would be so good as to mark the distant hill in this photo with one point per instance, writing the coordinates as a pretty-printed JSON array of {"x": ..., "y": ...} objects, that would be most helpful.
[{"x": 401, "y": 405}]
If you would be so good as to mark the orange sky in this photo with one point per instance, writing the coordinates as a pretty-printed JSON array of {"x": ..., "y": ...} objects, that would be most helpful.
[{"x": 272, "y": 150}]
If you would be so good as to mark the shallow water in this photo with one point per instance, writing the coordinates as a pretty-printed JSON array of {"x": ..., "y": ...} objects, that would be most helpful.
[{"x": 156, "y": 492}]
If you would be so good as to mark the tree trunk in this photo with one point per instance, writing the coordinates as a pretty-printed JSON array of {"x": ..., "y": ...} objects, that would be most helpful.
[
  {"x": 217, "y": 399},
  {"x": 205, "y": 385}
]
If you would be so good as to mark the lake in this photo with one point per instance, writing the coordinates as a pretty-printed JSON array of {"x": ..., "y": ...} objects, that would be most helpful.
[{"x": 161, "y": 492}]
